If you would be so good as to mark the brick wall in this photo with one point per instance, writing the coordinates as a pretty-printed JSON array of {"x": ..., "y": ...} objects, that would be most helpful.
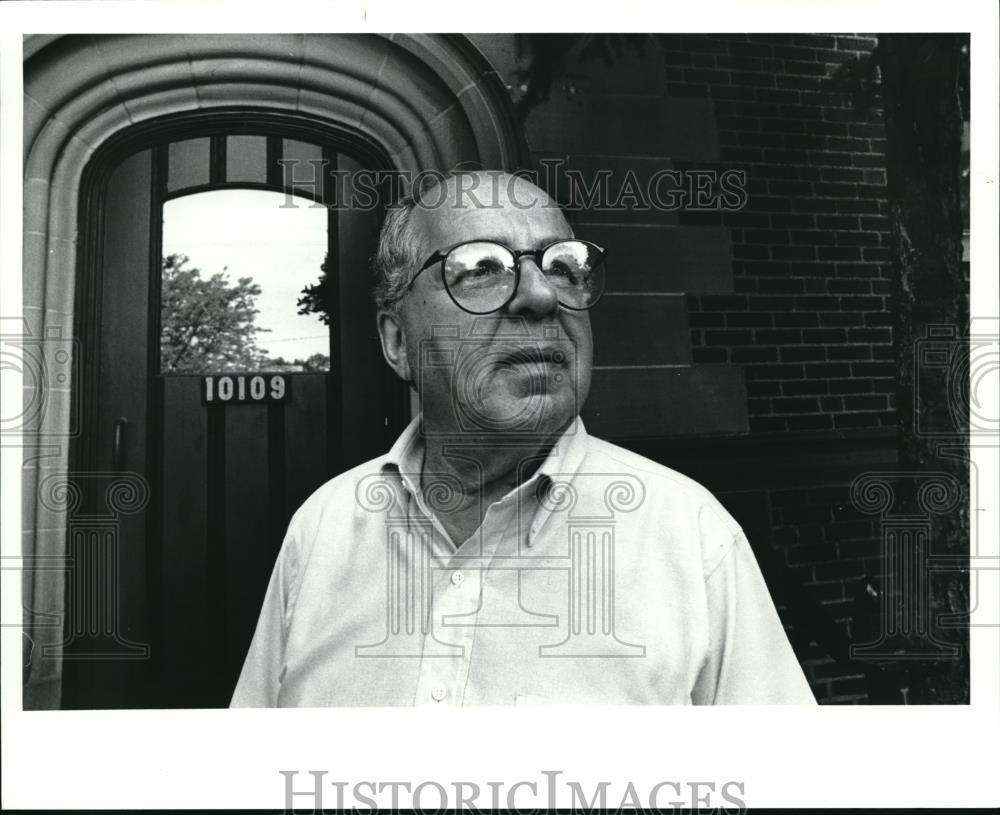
[
  {"x": 790, "y": 292},
  {"x": 807, "y": 534},
  {"x": 831, "y": 548},
  {"x": 809, "y": 318}
]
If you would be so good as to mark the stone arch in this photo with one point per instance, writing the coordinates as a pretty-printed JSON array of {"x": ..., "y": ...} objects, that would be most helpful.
[{"x": 427, "y": 101}]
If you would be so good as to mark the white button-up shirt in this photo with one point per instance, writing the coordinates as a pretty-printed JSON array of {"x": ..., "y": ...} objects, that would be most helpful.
[{"x": 605, "y": 578}]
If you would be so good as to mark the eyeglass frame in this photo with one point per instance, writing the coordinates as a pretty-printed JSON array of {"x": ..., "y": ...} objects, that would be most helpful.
[{"x": 534, "y": 254}]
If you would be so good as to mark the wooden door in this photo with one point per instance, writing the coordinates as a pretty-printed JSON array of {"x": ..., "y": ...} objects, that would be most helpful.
[{"x": 187, "y": 572}]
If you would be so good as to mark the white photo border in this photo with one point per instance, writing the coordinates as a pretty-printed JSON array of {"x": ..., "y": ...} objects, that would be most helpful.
[{"x": 827, "y": 756}]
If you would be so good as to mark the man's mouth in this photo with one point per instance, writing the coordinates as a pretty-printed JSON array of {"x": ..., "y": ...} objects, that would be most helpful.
[{"x": 535, "y": 356}]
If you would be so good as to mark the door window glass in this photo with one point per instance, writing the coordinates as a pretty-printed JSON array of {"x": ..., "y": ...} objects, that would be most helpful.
[{"x": 241, "y": 287}]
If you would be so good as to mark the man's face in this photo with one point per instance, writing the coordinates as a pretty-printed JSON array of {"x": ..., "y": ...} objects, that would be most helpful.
[{"x": 525, "y": 368}]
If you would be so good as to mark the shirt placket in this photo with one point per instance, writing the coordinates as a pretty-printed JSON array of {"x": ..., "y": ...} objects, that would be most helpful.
[{"x": 457, "y": 601}]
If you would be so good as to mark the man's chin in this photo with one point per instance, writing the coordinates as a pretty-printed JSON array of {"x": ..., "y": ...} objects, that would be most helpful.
[{"x": 530, "y": 413}]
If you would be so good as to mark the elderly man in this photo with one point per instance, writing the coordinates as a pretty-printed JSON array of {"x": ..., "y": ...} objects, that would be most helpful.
[{"x": 498, "y": 554}]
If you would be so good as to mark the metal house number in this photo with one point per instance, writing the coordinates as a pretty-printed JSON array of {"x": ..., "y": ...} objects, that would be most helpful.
[{"x": 245, "y": 389}]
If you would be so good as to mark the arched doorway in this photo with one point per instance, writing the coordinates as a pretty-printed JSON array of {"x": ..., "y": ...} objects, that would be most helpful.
[
  {"x": 200, "y": 237},
  {"x": 160, "y": 592}
]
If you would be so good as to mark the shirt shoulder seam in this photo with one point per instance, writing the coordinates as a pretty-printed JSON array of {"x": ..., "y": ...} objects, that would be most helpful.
[{"x": 729, "y": 551}]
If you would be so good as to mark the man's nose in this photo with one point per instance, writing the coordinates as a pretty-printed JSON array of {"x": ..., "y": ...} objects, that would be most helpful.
[{"x": 534, "y": 296}]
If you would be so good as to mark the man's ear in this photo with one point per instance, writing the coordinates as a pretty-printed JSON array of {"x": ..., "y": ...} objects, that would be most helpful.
[{"x": 393, "y": 337}]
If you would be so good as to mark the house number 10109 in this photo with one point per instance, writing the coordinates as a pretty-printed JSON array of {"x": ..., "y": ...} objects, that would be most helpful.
[{"x": 243, "y": 389}]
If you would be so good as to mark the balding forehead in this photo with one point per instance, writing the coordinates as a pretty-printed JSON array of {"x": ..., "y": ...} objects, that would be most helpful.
[
  {"x": 490, "y": 188},
  {"x": 487, "y": 206}
]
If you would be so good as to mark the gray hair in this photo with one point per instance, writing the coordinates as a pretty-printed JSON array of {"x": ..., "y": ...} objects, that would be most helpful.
[{"x": 397, "y": 256}]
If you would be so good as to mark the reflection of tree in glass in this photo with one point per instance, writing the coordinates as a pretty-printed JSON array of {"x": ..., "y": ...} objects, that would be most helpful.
[{"x": 208, "y": 324}]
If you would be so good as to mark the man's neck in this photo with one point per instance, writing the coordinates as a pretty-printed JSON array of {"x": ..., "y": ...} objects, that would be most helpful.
[
  {"x": 484, "y": 470},
  {"x": 488, "y": 468}
]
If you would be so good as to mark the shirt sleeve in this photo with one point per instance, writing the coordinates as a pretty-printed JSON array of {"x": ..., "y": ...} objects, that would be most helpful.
[
  {"x": 261, "y": 675},
  {"x": 750, "y": 661}
]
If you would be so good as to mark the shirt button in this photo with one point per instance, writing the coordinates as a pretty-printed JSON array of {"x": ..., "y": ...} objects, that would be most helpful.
[
  {"x": 457, "y": 578},
  {"x": 439, "y": 693}
]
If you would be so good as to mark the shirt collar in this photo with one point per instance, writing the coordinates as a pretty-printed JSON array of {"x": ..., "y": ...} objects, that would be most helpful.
[
  {"x": 567, "y": 454},
  {"x": 564, "y": 459},
  {"x": 406, "y": 456}
]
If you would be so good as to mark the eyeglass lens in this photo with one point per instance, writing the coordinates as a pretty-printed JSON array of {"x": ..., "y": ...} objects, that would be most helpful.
[{"x": 481, "y": 275}]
